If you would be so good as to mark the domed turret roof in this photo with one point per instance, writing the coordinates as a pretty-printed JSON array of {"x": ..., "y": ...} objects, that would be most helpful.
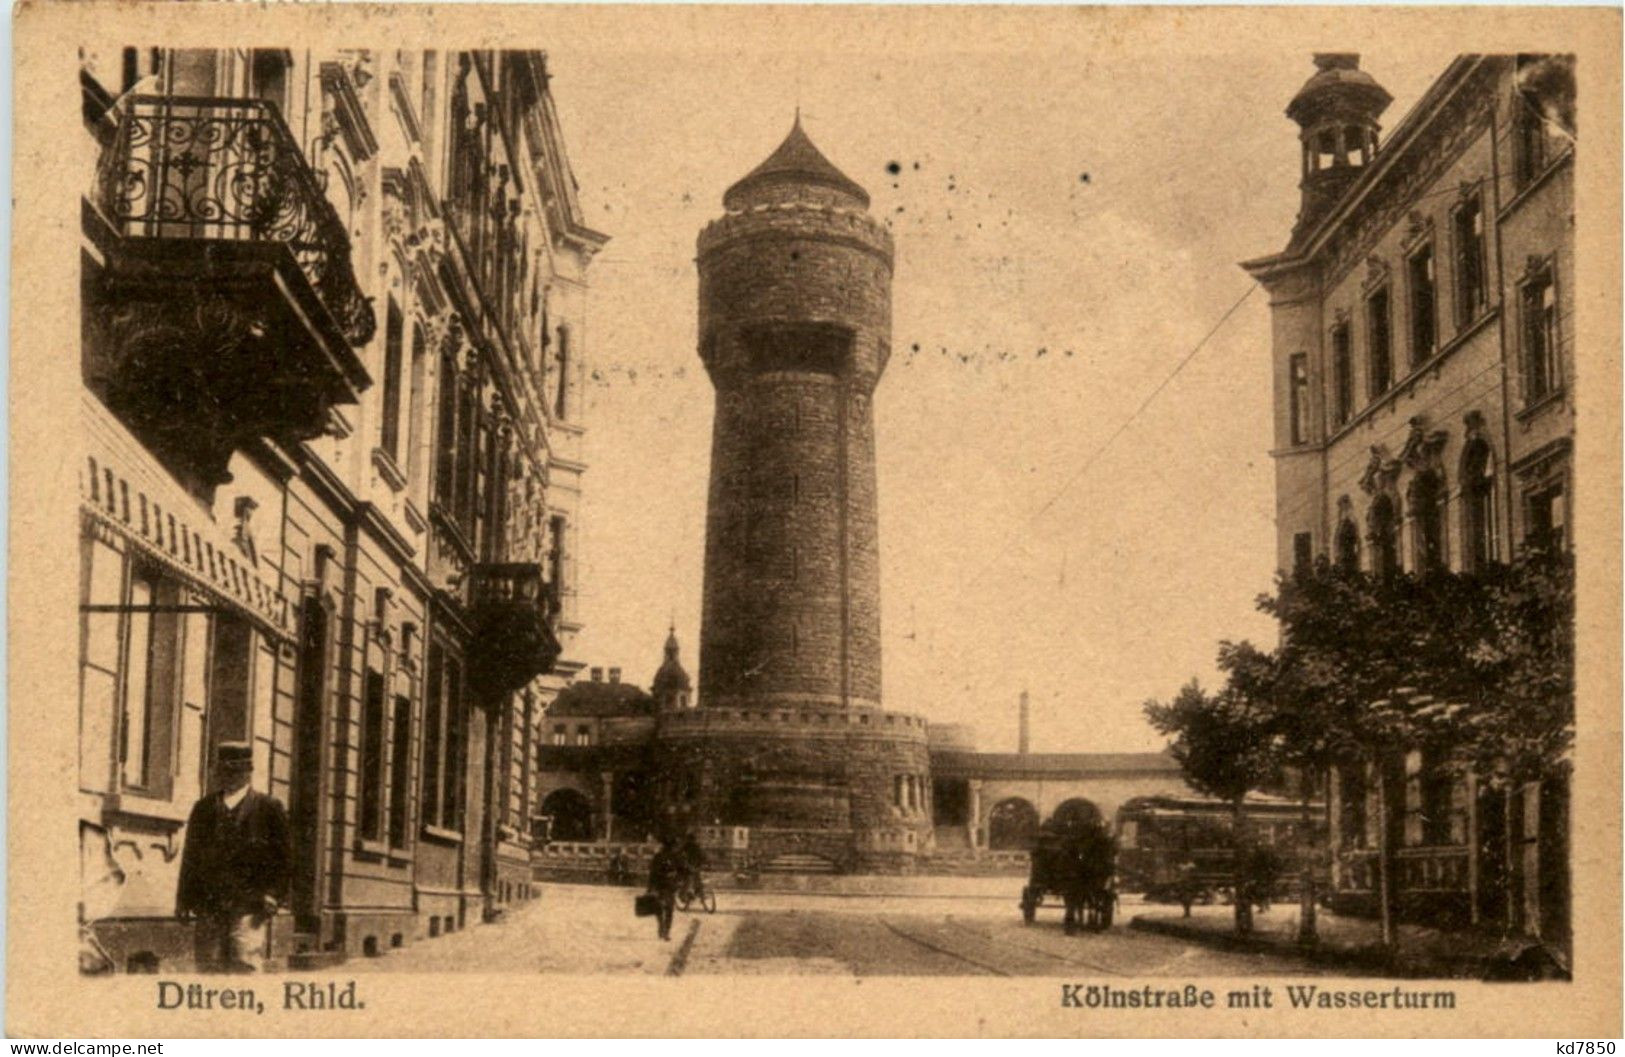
[
  {"x": 671, "y": 675},
  {"x": 1338, "y": 84},
  {"x": 796, "y": 160}
]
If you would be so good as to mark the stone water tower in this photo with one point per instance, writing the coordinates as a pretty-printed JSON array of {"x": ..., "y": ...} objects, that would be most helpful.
[{"x": 795, "y": 331}]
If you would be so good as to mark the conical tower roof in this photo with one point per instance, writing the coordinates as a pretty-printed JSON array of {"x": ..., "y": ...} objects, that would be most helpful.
[
  {"x": 671, "y": 675},
  {"x": 797, "y": 160}
]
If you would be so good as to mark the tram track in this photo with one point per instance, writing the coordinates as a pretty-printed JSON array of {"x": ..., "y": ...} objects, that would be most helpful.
[
  {"x": 939, "y": 949},
  {"x": 1062, "y": 958}
]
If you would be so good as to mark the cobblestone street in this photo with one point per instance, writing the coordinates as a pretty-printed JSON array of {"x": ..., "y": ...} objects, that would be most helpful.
[{"x": 956, "y": 927}]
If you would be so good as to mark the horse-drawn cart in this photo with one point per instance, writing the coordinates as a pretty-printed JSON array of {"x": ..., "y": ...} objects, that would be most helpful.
[{"x": 1073, "y": 860}]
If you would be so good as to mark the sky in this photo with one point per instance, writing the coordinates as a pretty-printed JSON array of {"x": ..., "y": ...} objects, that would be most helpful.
[{"x": 1068, "y": 216}]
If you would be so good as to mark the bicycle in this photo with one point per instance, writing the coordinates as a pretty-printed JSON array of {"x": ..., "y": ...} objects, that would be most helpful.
[{"x": 695, "y": 890}]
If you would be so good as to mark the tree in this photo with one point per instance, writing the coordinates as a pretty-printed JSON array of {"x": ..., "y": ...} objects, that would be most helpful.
[
  {"x": 1477, "y": 664},
  {"x": 1224, "y": 743}
]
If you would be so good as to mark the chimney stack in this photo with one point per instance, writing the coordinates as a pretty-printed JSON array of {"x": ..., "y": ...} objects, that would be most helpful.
[
  {"x": 1024, "y": 733},
  {"x": 614, "y": 675},
  {"x": 597, "y": 675}
]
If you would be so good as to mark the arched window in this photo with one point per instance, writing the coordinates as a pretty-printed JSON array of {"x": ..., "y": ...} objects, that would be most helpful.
[
  {"x": 1348, "y": 547},
  {"x": 1384, "y": 537},
  {"x": 1427, "y": 521},
  {"x": 1478, "y": 528}
]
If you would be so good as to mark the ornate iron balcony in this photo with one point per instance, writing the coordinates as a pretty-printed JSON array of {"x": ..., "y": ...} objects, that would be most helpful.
[
  {"x": 199, "y": 168},
  {"x": 515, "y": 613}
]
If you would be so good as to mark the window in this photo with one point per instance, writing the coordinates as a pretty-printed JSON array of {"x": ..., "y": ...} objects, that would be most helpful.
[
  {"x": 1547, "y": 515},
  {"x": 414, "y": 410},
  {"x": 583, "y": 734},
  {"x": 1540, "y": 374},
  {"x": 390, "y": 432},
  {"x": 1298, "y": 388},
  {"x": 1436, "y": 788},
  {"x": 103, "y": 581},
  {"x": 1478, "y": 505},
  {"x": 443, "y": 740},
  {"x": 1348, "y": 547},
  {"x": 561, "y": 387},
  {"x": 1303, "y": 552},
  {"x": 1381, "y": 342},
  {"x": 451, "y": 798},
  {"x": 1542, "y": 112},
  {"x": 1384, "y": 537},
  {"x": 1424, "y": 299},
  {"x": 446, "y": 440},
  {"x": 1342, "y": 373},
  {"x": 559, "y": 730},
  {"x": 433, "y": 732},
  {"x": 400, "y": 772},
  {"x": 1352, "y": 805},
  {"x": 555, "y": 552},
  {"x": 151, "y": 661},
  {"x": 1470, "y": 290},
  {"x": 372, "y": 756},
  {"x": 1427, "y": 514},
  {"x": 268, "y": 73}
]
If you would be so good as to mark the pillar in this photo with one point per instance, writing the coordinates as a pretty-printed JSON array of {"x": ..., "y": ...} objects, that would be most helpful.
[
  {"x": 973, "y": 824},
  {"x": 608, "y": 800}
]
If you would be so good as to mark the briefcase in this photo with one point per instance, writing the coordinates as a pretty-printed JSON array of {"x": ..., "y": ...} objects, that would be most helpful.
[{"x": 646, "y": 905}]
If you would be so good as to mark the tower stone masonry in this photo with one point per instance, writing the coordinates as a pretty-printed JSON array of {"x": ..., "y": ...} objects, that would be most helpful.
[{"x": 795, "y": 331}]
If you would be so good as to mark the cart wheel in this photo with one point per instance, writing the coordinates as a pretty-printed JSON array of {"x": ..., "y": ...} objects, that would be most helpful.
[{"x": 684, "y": 898}]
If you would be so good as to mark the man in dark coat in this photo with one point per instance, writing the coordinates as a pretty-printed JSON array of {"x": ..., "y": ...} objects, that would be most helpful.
[
  {"x": 666, "y": 871},
  {"x": 235, "y": 869}
]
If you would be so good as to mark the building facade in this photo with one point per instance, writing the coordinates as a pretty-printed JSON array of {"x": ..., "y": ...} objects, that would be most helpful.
[
  {"x": 1424, "y": 417},
  {"x": 333, "y": 321}
]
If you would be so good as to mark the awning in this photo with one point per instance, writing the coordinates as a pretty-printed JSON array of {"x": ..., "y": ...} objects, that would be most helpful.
[{"x": 124, "y": 488}]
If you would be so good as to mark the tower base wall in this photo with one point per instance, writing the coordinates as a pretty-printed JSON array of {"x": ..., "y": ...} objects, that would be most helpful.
[{"x": 849, "y": 789}]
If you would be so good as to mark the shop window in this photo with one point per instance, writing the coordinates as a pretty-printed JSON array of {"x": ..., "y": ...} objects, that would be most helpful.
[{"x": 103, "y": 581}]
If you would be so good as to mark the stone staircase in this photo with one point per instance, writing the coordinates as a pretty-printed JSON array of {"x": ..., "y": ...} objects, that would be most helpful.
[{"x": 799, "y": 863}]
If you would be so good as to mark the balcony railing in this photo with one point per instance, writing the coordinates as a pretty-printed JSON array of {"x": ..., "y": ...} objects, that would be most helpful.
[
  {"x": 228, "y": 169},
  {"x": 515, "y": 613}
]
